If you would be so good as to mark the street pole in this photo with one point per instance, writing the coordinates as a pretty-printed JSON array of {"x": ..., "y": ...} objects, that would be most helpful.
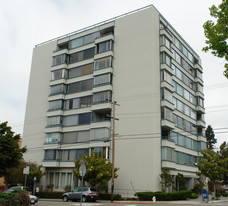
[{"x": 114, "y": 103}]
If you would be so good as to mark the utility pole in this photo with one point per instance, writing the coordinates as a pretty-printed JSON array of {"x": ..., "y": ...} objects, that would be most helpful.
[{"x": 114, "y": 103}]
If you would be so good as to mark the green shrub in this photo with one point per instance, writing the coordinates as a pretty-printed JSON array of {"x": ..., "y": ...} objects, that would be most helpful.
[
  {"x": 15, "y": 198},
  {"x": 107, "y": 196},
  {"x": 162, "y": 196},
  {"x": 51, "y": 194},
  {"x": 194, "y": 196}
]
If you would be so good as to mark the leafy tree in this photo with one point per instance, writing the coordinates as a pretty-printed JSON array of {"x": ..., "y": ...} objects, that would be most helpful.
[
  {"x": 210, "y": 136},
  {"x": 181, "y": 182},
  {"x": 10, "y": 152},
  {"x": 211, "y": 166},
  {"x": 167, "y": 180},
  {"x": 217, "y": 33},
  {"x": 15, "y": 175},
  {"x": 223, "y": 152},
  {"x": 98, "y": 171}
]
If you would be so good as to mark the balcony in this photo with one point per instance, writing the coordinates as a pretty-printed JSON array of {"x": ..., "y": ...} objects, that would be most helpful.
[
  {"x": 165, "y": 84},
  {"x": 167, "y": 125},
  {"x": 200, "y": 109},
  {"x": 168, "y": 164},
  {"x": 102, "y": 106},
  {"x": 104, "y": 38},
  {"x": 103, "y": 54},
  {"x": 165, "y": 49},
  {"x": 165, "y": 103}
]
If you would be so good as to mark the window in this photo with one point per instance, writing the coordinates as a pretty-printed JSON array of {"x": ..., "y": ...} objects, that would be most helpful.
[
  {"x": 104, "y": 46},
  {"x": 80, "y": 86},
  {"x": 70, "y": 120},
  {"x": 81, "y": 152},
  {"x": 167, "y": 114},
  {"x": 165, "y": 76},
  {"x": 72, "y": 103},
  {"x": 100, "y": 97},
  {"x": 82, "y": 55},
  {"x": 198, "y": 74},
  {"x": 75, "y": 137},
  {"x": 178, "y": 74},
  {"x": 83, "y": 136},
  {"x": 86, "y": 101},
  {"x": 176, "y": 56},
  {"x": 54, "y": 121},
  {"x": 83, "y": 40},
  {"x": 84, "y": 118},
  {"x": 60, "y": 59},
  {"x": 100, "y": 134},
  {"x": 51, "y": 154},
  {"x": 200, "y": 101},
  {"x": 58, "y": 89},
  {"x": 78, "y": 102},
  {"x": 167, "y": 95},
  {"x": 168, "y": 154},
  {"x": 99, "y": 151},
  {"x": 102, "y": 79},
  {"x": 56, "y": 105},
  {"x": 58, "y": 74},
  {"x": 81, "y": 71},
  {"x": 199, "y": 87},
  {"x": 52, "y": 138},
  {"x": 69, "y": 137},
  {"x": 103, "y": 63},
  {"x": 165, "y": 59},
  {"x": 177, "y": 42}
]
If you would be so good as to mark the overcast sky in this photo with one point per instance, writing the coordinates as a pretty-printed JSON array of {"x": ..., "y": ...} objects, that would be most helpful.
[{"x": 26, "y": 23}]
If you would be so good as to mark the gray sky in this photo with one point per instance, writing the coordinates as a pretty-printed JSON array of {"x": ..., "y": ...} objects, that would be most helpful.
[{"x": 26, "y": 23}]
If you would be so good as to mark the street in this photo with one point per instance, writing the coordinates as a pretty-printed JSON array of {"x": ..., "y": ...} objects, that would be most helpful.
[{"x": 176, "y": 203}]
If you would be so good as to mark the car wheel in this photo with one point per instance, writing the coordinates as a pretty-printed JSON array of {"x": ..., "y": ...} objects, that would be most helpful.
[
  {"x": 65, "y": 199},
  {"x": 84, "y": 199}
]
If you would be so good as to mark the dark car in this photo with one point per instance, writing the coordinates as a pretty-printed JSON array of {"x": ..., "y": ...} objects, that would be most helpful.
[
  {"x": 88, "y": 194},
  {"x": 33, "y": 198}
]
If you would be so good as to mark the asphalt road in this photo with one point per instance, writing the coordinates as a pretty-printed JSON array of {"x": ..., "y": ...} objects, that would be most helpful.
[{"x": 181, "y": 203}]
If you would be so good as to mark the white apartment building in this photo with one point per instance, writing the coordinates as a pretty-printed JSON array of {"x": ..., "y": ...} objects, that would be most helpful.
[{"x": 138, "y": 60}]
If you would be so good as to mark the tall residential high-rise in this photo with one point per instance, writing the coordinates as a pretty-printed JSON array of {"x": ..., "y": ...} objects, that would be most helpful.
[{"x": 138, "y": 60}]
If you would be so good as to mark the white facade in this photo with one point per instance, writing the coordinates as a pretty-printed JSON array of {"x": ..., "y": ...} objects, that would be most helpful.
[{"x": 141, "y": 62}]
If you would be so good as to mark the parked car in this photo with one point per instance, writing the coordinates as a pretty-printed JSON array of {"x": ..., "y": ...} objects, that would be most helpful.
[
  {"x": 88, "y": 194},
  {"x": 33, "y": 198}
]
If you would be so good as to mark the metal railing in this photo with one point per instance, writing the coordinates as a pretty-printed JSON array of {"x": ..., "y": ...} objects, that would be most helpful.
[{"x": 94, "y": 25}]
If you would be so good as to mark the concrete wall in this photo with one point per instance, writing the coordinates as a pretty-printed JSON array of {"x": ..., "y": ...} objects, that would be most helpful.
[
  {"x": 136, "y": 87},
  {"x": 37, "y": 104}
]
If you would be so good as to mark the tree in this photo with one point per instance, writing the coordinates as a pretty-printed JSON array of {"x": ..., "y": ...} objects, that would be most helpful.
[
  {"x": 223, "y": 152},
  {"x": 211, "y": 166},
  {"x": 217, "y": 33},
  {"x": 181, "y": 182},
  {"x": 98, "y": 171},
  {"x": 210, "y": 136},
  {"x": 15, "y": 175},
  {"x": 10, "y": 152},
  {"x": 167, "y": 180}
]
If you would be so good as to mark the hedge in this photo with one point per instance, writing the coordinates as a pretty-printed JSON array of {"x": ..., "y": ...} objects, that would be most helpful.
[
  {"x": 15, "y": 198},
  {"x": 162, "y": 196},
  {"x": 107, "y": 196},
  {"x": 51, "y": 194}
]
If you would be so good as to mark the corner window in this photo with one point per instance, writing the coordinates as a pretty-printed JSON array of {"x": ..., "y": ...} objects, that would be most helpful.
[
  {"x": 103, "y": 63},
  {"x": 60, "y": 59}
]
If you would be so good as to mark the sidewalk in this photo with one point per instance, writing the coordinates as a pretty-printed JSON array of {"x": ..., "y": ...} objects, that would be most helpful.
[{"x": 181, "y": 202}]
